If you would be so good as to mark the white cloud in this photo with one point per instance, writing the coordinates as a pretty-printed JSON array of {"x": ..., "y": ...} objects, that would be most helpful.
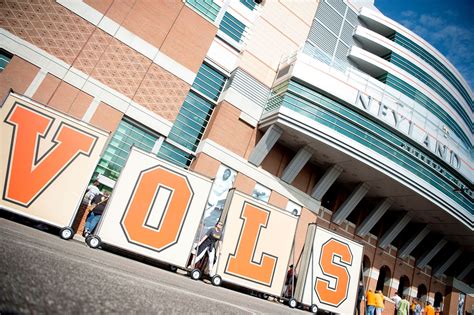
[{"x": 454, "y": 41}]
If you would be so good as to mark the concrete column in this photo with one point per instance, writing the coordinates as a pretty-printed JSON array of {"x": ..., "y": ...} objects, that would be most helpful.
[
  {"x": 426, "y": 258},
  {"x": 393, "y": 231},
  {"x": 408, "y": 247},
  {"x": 364, "y": 228},
  {"x": 296, "y": 165},
  {"x": 351, "y": 202},
  {"x": 326, "y": 181},
  {"x": 465, "y": 272},
  {"x": 265, "y": 144},
  {"x": 439, "y": 270}
]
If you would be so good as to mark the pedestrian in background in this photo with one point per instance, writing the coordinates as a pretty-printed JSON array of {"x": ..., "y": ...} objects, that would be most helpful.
[
  {"x": 370, "y": 298},
  {"x": 91, "y": 192},
  {"x": 379, "y": 302},
  {"x": 99, "y": 202},
  {"x": 403, "y": 306}
]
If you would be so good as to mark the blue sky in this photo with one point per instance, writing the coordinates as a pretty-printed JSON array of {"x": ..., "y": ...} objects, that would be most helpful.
[{"x": 447, "y": 25}]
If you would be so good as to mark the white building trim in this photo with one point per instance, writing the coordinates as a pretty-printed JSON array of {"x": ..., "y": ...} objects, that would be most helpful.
[
  {"x": 91, "y": 110},
  {"x": 34, "y": 85}
]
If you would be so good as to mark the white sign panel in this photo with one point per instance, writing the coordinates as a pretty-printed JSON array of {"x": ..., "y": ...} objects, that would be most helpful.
[
  {"x": 257, "y": 245},
  {"x": 333, "y": 273},
  {"x": 155, "y": 209},
  {"x": 46, "y": 160}
]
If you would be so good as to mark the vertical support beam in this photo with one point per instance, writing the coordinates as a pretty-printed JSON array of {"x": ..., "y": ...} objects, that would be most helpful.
[
  {"x": 306, "y": 257},
  {"x": 466, "y": 271},
  {"x": 438, "y": 271},
  {"x": 426, "y": 258},
  {"x": 374, "y": 217},
  {"x": 296, "y": 165},
  {"x": 34, "y": 85},
  {"x": 326, "y": 181},
  {"x": 351, "y": 202},
  {"x": 265, "y": 144},
  {"x": 393, "y": 231},
  {"x": 409, "y": 246}
]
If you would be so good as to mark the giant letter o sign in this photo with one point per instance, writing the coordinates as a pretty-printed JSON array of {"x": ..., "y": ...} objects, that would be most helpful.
[
  {"x": 157, "y": 209},
  {"x": 336, "y": 270}
]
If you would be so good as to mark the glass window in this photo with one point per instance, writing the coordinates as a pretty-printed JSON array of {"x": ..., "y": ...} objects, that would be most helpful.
[
  {"x": 206, "y": 7},
  {"x": 232, "y": 27},
  {"x": 209, "y": 82},
  {"x": 174, "y": 155},
  {"x": 116, "y": 153},
  {"x": 196, "y": 110},
  {"x": 435, "y": 63},
  {"x": 248, "y": 3},
  {"x": 5, "y": 58}
]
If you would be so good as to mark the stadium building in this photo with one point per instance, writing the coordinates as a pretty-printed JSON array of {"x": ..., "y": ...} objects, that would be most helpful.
[{"x": 327, "y": 109}]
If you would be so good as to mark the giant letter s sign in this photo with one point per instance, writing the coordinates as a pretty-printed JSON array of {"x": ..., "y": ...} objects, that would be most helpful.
[
  {"x": 332, "y": 271},
  {"x": 336, "y": 270}
]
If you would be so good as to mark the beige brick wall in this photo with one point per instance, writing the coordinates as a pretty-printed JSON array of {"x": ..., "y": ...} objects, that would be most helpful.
[{"x": 18, "y": 76}]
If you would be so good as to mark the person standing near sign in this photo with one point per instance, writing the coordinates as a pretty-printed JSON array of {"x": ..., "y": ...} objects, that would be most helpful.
[
  {"x": 360, "y": 297},
  {"x": 92, "y": 191},
  {"x": 379, "y": 302},
  {"x": 403, "y": 306},
  {"x": 370, "y": 298},
  {"x": 429, "y": 309},
  {"x": 396, "y": 299},
  {"x": 290, "y": 282},
  {"x": 208, "y": 245},
  {"x": 96, "y": 213}
]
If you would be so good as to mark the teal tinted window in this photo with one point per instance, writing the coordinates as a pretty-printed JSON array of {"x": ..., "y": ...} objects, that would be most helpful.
[
  {"x": 5, "y": 58},
  {"x": 191, "y": 121},
  {"x": 249, "y": 4},
  {"x": 116, "y": 153},
  {"x": 174, "y": 155},
  {"x": 196, "y": 111},
  {"x": 209, "y": 82},
  {"x": 206, "y": 7},
  {"x": 427, "y": 102},
  {"x": 359, "y": 128},
  {"x": 431, "y": 82},
  {"x": 232, "y": 27},
  {"x": 434, "y": 62}
]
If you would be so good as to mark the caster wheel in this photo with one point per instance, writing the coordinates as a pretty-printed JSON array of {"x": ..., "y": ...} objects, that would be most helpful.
[
  {"x": 292, "y": 303},
  {"x": 265, "y": 296},
  {"x": 196, "y": 274},
  {"x": 173, "y": 268},
  {"x": 93, "y": 241},
  {"x": 66, "y": 233},
  {"x": 313, "y": 309},
  {"x": 216, "y": 280}
]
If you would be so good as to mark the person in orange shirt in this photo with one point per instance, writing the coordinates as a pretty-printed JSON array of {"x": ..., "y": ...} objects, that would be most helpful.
[
  {"x": 370, "y": 298},
  {"x": 429, "y": 310},
  {"x": 379, "y": 302}
]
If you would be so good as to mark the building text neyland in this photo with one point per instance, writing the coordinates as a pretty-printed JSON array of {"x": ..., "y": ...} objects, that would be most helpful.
[{"x": 399, "y": 119}]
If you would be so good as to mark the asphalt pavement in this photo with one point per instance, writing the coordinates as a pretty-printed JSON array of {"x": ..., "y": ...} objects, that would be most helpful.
[{"x": 43, "y": 274}]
